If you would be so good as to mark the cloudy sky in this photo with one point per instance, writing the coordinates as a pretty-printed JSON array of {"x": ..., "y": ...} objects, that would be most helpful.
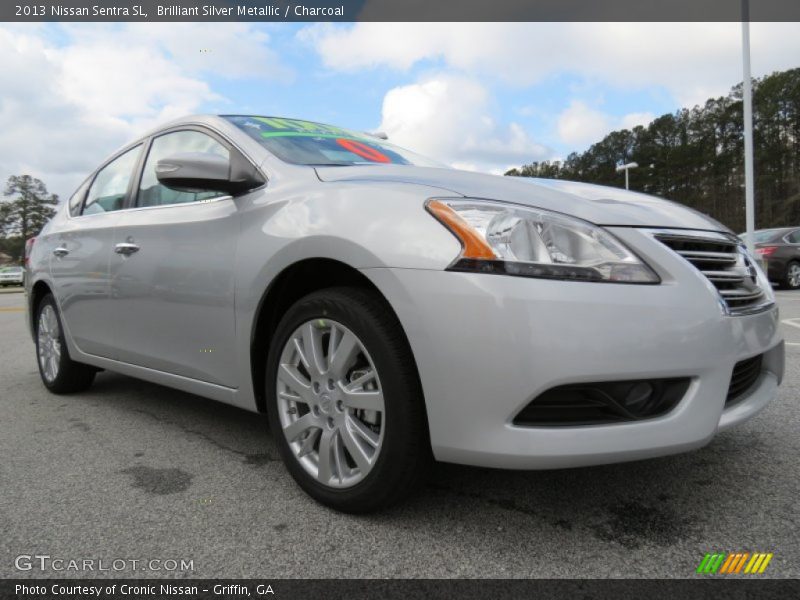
[{"x": 479, "y": 96}]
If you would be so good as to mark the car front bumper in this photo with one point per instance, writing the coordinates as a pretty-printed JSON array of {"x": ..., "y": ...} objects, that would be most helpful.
[{"x": 486, "y": 345}]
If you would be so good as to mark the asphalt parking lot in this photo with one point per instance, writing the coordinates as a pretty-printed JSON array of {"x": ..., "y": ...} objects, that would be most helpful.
[{"x": 131, "y": 470}]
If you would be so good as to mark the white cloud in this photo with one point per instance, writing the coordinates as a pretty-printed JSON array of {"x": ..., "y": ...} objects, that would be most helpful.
[
  {"x": 580, "y": 125},
  {"x": 231, "y": 50},
  {"x": 449, "y": 118},
  {"x": 632, "y": 120},
  {"x": 65, "y": 106},
  {"x": 692, "y": 60}
]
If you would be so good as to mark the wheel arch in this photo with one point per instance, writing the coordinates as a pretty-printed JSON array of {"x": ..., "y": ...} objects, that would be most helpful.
[
  {"x": 292, "y": 283},
  {"x": 38, "y": 291}
]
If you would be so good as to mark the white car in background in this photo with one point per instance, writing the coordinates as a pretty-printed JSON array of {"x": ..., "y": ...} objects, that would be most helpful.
[
  {"x": 384, "y": 310},
  {"x": 12, "y": 276}
]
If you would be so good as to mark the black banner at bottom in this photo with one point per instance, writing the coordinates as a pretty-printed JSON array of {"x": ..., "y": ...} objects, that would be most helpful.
[{"x": 429, "y": 589}]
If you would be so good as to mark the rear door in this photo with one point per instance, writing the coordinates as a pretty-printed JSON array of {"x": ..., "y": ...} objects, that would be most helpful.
[
  {"x": 172, "y": 279},
  {"x": 79, "y": 265}
]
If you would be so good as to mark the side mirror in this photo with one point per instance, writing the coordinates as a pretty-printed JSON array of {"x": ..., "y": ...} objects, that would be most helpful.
[{"x": 197, "y": 171}]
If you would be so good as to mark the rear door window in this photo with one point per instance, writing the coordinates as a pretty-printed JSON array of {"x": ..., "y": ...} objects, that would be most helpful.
[
  {"x": 76, "y": 201},
  {"x": 794, "y": 237},
  {"x": 110, "y": 186}
]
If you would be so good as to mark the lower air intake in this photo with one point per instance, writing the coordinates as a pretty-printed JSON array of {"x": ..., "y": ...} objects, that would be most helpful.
[
  {"x": 745, "y": 374},
  {"x": 603, "y": 403}
]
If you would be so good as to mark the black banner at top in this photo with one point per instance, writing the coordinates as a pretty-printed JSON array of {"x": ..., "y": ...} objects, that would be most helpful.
[{"x": 399, "y": 10}]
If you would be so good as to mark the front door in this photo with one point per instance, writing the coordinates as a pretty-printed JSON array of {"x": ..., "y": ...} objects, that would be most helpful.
[{"x": 172, "y": 280}]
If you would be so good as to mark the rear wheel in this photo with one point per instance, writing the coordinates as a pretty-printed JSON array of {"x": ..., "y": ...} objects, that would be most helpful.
[
  {"x": 791, "y": 280},
  {"x": 60, "y": 374},
  {"x": 344, "y": 401}
]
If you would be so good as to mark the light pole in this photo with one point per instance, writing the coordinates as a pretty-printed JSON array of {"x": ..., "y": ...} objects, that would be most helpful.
[
  {"x": 747, "y": 105},
  {"x": 627, "y": 167}
]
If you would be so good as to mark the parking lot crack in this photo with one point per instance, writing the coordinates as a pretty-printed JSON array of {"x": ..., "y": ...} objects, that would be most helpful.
[{"x": 250, "y": 458}]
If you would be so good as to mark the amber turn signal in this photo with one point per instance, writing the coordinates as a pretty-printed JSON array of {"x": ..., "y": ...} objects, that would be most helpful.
[{"x": 472, "y": 243}]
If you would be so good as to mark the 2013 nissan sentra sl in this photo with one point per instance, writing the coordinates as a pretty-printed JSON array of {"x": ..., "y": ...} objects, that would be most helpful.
[{"x": 384, "y": 310}]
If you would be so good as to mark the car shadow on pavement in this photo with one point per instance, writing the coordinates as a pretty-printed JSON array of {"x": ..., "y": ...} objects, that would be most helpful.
[
  {"x": 657, "y": 502},
  {"x": 224, "y": 426}
]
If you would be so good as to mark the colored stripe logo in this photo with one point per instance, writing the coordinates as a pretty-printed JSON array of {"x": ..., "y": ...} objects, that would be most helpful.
[{"x": 734, "y": 563}]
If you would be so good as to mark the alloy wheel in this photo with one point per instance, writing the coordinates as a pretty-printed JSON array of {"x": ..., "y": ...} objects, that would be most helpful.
[
  {"x": 49, "y": 343},
  {"x": 330, "y": 403},
  {"x": 794, "y": 275}
]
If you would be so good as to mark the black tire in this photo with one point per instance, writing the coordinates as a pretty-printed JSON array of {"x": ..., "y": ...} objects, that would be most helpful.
[
  {"x": 70, "y": 376},
  {"x": 786, "y": 283},
  {"x": 405, "y": 455}
]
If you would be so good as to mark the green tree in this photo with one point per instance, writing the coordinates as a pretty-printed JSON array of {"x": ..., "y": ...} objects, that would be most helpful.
[
  {"x": 5, "y": 217},
  {"x": 23, "y": 215},
  {"x": 695, "y": 156}
]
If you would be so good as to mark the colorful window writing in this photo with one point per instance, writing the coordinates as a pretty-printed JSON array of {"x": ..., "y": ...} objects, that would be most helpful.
[{"x": 308, "y": 143}]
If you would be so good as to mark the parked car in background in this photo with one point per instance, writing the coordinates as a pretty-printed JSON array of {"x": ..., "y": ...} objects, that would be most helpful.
[
  {"x": 384, "y": 310},
  {"x": 779, "y": 252},
  {"x": 12, "y": 276},
  {"x": 28, "y": 247}
]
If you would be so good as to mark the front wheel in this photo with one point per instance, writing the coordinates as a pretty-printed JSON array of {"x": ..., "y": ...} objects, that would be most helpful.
[
  {"x": 60, "y": 374},
  {"x": 344, "y": 401}
]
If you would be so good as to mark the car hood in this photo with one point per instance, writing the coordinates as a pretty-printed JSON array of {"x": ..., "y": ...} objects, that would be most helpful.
[{"x": 597, "y": 204}]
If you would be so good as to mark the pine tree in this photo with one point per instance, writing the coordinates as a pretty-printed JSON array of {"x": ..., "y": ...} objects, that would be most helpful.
[
  {"x": 26, "y": 212},
  {"x": 695, "y": 156}
]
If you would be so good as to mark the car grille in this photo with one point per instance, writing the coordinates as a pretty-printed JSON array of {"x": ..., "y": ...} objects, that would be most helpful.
[
  {"x": 745, "y": 374},
  {"x": 722, "y": 260}
]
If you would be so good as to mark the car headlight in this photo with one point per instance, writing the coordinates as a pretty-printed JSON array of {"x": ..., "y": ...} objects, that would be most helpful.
[{"x": 515, "y": 240}]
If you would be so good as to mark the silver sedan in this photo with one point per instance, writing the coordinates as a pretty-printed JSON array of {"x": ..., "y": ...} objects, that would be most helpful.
[{"x": 385, "y": 311}]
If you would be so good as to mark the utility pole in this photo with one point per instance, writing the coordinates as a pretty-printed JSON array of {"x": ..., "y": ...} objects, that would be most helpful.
[{"x": 747, "y": 102}]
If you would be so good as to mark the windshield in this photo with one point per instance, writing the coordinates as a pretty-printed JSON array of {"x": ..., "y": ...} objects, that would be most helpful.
[{"x": 308, "y": 143}]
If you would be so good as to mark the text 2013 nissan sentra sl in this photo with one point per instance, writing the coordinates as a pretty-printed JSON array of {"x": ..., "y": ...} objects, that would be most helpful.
[{"x": 384, "y": 310}]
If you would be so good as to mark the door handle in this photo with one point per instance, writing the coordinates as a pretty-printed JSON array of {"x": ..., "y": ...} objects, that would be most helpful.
[
  {"x": 126, "y": 248},
  {"x": 60, "y": 252}
]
